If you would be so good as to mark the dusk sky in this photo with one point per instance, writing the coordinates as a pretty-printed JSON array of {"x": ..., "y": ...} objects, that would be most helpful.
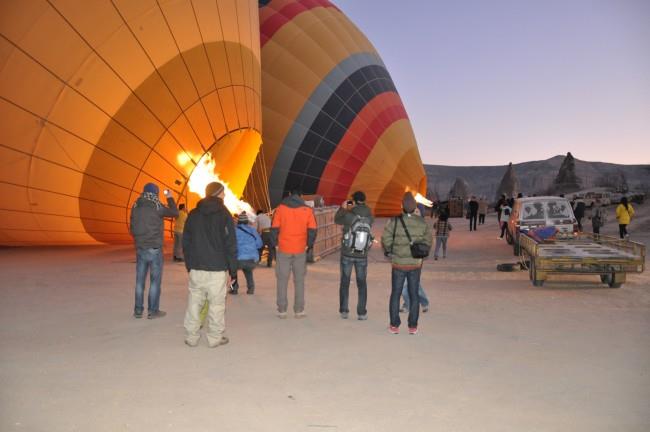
[{"x": 488, "y": 82}]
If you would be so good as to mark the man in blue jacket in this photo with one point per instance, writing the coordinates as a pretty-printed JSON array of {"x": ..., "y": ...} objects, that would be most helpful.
[
  {"x": 248, "y": 244},
  {"x": 146, "y": 227}
]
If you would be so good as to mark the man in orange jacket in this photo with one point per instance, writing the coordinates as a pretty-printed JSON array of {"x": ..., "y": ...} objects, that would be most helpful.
[{"x": 293, "y": 231}]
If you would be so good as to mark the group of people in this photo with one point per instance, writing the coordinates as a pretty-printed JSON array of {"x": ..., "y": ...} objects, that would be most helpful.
[
  {"x": 476, "y": 210},
  {"x": 213, "y": 248}
]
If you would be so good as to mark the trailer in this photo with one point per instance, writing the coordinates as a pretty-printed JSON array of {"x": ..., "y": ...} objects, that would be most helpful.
[{"x": 608, "y": 257}]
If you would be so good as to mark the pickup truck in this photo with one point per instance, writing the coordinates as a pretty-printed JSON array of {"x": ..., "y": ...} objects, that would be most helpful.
[{"x": 608, "y": 257}]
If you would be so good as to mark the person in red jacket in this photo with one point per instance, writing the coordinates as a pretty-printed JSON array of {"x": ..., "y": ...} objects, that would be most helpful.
[{"x": 293, "y": 231}]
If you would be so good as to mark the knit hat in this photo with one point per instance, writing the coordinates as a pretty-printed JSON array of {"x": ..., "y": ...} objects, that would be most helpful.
[
  {"x": 359, "y": 197},
  {"x": 151, "y": 188},
  {"x": 408, "y": 203},
  {"x": 213, "y": 189},
  {"x": 242, "y": 218}
]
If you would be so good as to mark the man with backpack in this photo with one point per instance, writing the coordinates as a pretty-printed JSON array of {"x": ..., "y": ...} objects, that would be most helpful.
[{"x": 356, "y": 218}]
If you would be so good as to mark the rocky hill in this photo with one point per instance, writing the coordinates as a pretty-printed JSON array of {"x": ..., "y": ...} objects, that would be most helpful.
[{"x": 536, "y": 177}]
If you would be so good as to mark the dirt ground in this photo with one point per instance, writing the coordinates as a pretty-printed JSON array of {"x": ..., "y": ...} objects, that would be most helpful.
[{"x": 494, "y": 353}]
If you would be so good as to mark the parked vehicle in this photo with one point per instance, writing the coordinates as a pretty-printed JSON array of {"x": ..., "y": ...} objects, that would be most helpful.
[
  {"x": 604, "y": 197},
  {"x": 537, "y": 212}
]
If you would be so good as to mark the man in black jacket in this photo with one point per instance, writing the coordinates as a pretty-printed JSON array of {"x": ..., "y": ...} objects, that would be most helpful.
[
  {"x": 210, "y": 249},
  {"x": 472, "y": 210},
  {"x": 146, "y": 227},
  {"x": 356, "y": 214}
]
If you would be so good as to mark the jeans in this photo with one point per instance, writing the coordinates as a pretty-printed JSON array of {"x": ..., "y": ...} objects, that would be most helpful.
[
  {"x": 504, "y": 227},
  {"x": 424, "y": 301},
  {"x": 361, "y": 270},
  {"x": 472, "y": 221},
  {"x": 148, "y": 260},
  {"x": 397, "y": 283},
  {"x": 247, "y": 266},
  {"x": 441, "y": 241},
  {"x": 287, "y": 264},
  {"x": 622, "y": 230},
  {"x": 481, "y": 218}
]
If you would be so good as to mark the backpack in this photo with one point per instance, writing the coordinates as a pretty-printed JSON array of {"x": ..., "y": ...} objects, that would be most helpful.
[{"x": 359, "y": 237}]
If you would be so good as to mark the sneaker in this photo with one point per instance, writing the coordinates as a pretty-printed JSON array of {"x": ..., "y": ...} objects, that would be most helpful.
[
  {"x": 425, "y": 309},
  {"x": 435, "y": 258},
  {"x": 300, "y": 315},
  {"x": 137, "y": 314},
  {"x": 156, "y": 314},
  {"x": 191, "y": 344},
  {"x": 362, "y": 317},
  {"x": 282, "y": 315},
  {"x": 224, "y": 340},
  {"x": 250, "y": 291},
  {"x": 393, "y": 330},
  {"x": 233, "y": 292},
  {"x": 413, "y": 330},
  {"x": 344, "y": 315}
]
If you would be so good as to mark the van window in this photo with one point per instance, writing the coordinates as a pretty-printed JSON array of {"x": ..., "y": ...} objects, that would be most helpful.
[
  {"x": 558, "y": 209},
  {"x": 533, "y": 211}
]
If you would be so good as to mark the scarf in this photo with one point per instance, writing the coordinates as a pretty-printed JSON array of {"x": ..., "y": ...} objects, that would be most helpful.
[{"x": 151, "y": 197}]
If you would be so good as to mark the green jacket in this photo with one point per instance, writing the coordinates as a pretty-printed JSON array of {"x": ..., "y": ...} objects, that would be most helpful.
[
  {"x": 346, "y": 218},
  {"x": 401, "y": 250}
]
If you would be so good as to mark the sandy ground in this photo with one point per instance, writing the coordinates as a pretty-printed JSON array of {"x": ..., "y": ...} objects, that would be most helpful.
[{"x": 494, "y": 353}]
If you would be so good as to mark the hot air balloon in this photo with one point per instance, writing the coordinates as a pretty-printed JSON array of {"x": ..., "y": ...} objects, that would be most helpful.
[
  {"x": 98, "y": 98},
  {"x": 333, "y": 120}
]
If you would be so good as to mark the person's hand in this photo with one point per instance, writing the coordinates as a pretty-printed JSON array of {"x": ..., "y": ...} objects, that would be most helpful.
[
  {"x": 167, "y": 193},
  {"x": 344, "y": 204}
]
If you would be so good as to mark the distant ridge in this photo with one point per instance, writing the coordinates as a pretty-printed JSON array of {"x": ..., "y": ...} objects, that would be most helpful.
[{"x": 535, "y": 176}]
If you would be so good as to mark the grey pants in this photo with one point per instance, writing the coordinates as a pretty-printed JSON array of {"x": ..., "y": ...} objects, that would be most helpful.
[
  {"x": 178, "y": 245},
  {"x": 287, "y": 263}
]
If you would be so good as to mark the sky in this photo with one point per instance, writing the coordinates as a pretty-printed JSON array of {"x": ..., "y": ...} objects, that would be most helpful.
[{"x": 487, "y": 82}]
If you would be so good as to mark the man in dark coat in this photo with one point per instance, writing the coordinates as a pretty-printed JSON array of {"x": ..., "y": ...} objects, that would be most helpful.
[{"x": 146, "y": 227}]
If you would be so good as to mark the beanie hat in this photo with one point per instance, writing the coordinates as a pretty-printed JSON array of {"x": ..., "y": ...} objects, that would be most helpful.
[
  {"x": 242, "y": 218},
  {"x": 151, "y": 188},
  {"x": 213, "y": 189},
  {"x": 359, "y": 197},
  {"x": 408, "y": 203}
]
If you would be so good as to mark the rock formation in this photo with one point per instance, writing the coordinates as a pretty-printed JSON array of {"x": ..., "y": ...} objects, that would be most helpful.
[
  {"x": 566, "y": 180},
  {"x": 509, "y": 185}
]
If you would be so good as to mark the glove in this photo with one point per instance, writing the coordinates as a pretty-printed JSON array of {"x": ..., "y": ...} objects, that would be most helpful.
[{"x": 310, "y": 255}]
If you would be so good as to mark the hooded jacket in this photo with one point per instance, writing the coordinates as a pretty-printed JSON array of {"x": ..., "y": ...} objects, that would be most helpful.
[
  {"x": 294, "y": 226},
  {"x": 209, "y": 240},
  {"x": 248, "y": 242},
  {"x": 346, "y": 218},
  {"x": 399, "y": 247},
  {"x": 147, "y": 221}
]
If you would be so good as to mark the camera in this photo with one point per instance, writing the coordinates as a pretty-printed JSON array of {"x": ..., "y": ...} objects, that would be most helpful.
[{"x": 350, "y": 202}]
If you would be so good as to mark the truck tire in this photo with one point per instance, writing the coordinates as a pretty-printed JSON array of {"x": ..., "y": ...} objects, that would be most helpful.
[
  {"x": 611, "y": 282},
  {"x": 516, "y": 249},
  {"x": 605, "y": 278},
  {"x": 533, "y": 275},
  {"x": 509, "y": 239}
]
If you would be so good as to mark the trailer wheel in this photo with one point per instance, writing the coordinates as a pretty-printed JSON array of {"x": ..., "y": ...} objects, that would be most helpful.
[
  {"x": 516, "y": 249},
  {"x": 509, "y": 238},
  {"x": 532, "y": 272},
  {"x": 605, "y": 278},
  {"x": 615, "y": 281}
]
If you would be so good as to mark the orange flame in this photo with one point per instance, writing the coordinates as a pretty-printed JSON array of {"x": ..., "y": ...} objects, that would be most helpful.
[
  {"x": 422, "y": 200},
  {"x": 204, "y": 173}
]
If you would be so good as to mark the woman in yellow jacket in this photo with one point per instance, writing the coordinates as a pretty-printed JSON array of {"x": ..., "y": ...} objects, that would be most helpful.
[{"x": 624, "y": 213}]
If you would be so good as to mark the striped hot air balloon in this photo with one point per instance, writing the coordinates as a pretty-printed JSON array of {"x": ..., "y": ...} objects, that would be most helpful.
[{"x": 333, "y": 119}]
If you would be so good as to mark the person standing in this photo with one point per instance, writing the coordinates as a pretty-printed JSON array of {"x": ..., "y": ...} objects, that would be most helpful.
[
  {"x": 398, "y": 236},
  {"x": 597, "y": 217},
  {"x": 482, "y": 210},
  {"x": 443, "y": 228},
  {"x": 356, "y": 218},
  {"x": 472, "y": 210},
  {"x": 498, "y": 207},
  {"x": 263, "y": 222},
  {"x": 624, "y": 215},
  {"x": 147, "y": 228},
  {"x": 248, "y": 244},
  {"x": 293, "y": 230},
  {"x": 210, "y": 248},
  {"x": 579, "y": 212},
  {"x": 505, "y": 217},
  {"x": 179, "y": 225}
]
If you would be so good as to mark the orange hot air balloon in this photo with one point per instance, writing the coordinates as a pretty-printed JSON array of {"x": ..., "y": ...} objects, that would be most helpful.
[
  {"x": 333, "y": 120},
  {"x": 98, "y": 98}
]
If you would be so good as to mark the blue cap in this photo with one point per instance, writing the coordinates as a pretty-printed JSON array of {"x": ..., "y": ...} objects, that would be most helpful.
[{"x": 151, "y": 188}]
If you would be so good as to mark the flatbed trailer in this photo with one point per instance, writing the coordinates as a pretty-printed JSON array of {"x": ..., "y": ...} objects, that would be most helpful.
[{"x": 608, "y": 257}]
